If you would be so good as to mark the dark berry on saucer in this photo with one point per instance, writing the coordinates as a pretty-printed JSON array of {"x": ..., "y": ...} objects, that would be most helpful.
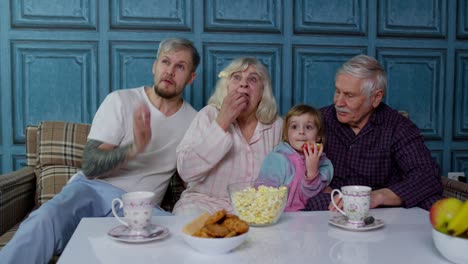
[{"x": 369, "y": 220}]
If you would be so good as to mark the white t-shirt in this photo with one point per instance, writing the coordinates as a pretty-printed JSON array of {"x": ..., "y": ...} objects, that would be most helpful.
[{"x": 151, "y": 170}]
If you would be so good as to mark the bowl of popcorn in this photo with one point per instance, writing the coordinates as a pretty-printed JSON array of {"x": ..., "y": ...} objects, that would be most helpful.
[
  {"x": 215, "y": 234},
  {"x": 258, "y": 203}
]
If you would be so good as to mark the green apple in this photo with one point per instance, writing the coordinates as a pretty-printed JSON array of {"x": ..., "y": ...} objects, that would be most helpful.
[{"x": 443, "y": 211}]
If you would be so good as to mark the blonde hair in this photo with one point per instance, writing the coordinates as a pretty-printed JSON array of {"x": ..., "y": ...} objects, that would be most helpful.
[
  {"x": 177, "y": 44},
  {"x": 267, "y": 109},
  {"x": 302, "y": 109}
]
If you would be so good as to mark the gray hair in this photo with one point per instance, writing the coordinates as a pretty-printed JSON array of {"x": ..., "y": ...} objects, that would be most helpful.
[
  {"x": 176, "y": 44},
  {"x": 365, "y": 67},
  {"x": 267, "y": 109}
]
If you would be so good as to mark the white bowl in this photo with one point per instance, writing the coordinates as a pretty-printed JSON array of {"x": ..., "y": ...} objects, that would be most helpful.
[
  {"x": 214, "y": 246},
  {"x": 452, "y": 248},
  {"x": 210, "y": 246}
]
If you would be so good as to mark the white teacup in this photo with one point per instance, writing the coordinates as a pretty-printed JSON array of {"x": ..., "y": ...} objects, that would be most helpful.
[
  {"x": 137, "y": 208},
  {"x": 356, "y": 203}
]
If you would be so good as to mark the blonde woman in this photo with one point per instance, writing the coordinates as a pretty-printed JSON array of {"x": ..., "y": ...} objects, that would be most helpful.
[{"x": 229, "y": 138}]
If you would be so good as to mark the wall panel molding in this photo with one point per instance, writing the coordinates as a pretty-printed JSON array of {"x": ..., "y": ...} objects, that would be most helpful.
[
  {"x": 132, "y": 62},
  {"x": 243, "y": 16},
  {"x": 60, "y": 58},
  {"x": 460, "y": 124},
  {"x": 19, "y": 161},
  {"x": 419, "y": 75},
  {"x": 462, "y": 19},
  {"x": 314, "y": 72},
  {"x": 330, "y": 17},
  {"x": 70, "y": 14},
  {"x": 167, "y": 15},
  {"x": 52, "y": 81},
  {"x": 460, "y": 161},
  {"x": 413, "y": 18}
]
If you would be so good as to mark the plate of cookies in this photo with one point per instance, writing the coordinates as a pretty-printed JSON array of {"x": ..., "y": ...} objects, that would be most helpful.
[{"x": 215, "y": 234}]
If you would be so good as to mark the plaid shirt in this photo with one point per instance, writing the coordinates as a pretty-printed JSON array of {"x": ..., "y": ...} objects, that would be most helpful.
[{"x": 389, "y": 152}]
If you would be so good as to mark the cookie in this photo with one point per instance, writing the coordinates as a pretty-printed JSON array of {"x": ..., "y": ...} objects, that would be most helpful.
[
  {"x": 214, "y": 218},
  {"x": 217, "y": 230},
  {"x": 237, "y": 225}
]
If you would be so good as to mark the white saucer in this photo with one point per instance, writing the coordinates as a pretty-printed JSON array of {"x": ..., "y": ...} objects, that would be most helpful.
[
  {"x": 340, "y": 221},
  {"x": 123, "y": 234}
]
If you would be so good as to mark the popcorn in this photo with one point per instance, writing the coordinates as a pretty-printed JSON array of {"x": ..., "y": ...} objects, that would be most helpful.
[
  {"x": 223, "y": 74},
  {"x": 260, "y": 206}
]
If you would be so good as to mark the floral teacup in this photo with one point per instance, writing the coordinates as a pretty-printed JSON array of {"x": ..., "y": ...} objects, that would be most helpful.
[
  {"x": 356, "y": 203},
  {"x": 137, "y": 208}
]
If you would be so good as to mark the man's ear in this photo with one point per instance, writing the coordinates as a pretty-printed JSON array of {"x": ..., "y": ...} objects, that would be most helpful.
[
  {"x": 192, "y": 78},
  {"x": 154, "y": 67},
  {"x": 377, "y": 97}
]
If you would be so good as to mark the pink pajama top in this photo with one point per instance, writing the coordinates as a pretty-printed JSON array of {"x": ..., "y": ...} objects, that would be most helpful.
[{"x": 209, "y": 159}]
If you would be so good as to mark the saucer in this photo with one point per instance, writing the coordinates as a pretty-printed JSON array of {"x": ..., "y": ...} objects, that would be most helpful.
[
  {"x": 123, "y": 234},
  {"x": 340, "y": 221}
]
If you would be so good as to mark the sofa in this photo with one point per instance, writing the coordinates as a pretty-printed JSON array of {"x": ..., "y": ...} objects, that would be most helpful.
[{"x": 53, "y": 154}]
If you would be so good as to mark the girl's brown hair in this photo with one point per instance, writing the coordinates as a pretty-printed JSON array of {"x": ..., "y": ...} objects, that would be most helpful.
[{"x": 300, "y": 110}]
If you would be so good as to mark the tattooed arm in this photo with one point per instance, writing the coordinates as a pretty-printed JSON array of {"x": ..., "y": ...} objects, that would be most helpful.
[{"x": 102, "y": 159}]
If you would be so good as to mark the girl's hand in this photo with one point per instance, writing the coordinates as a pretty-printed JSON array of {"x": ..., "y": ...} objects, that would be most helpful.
[
  {"x": 233, "y": 104},
  {"x": 327, "y": 189},
  {"x": 312, "y": 153}
]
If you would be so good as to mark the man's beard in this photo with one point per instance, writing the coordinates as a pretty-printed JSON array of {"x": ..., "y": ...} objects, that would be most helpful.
[{"x": 164, "y": 94}]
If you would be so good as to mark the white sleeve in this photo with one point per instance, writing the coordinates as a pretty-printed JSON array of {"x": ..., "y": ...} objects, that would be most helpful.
[{"x": 109, "y": 122}]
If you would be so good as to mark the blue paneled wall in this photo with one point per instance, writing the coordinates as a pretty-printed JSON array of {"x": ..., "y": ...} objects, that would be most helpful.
[{"x": 59, "y": 59}]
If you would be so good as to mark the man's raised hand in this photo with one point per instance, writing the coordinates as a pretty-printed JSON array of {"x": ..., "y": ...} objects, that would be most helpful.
[{"x": 141, "y": 129}]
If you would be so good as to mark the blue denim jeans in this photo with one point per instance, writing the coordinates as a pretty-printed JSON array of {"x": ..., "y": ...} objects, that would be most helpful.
[{"x": 48, "y": 229}]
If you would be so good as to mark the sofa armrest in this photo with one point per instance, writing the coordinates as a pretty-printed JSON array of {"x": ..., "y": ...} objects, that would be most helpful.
[
  {"x": 453, "y": 188},
  {"x": 17, "y": 191}
]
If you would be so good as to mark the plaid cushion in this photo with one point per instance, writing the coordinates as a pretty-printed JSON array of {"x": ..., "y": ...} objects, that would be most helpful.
[
  {"x": 61, "y": 143},
  {"x": 174, "y": 190},
  {"x": 16, "y": 197},
  {"x": 8, "y": 235},
  {"x": 31, "y": 145},
  {"x": 455, "y": 189},
  {"x": 51, "y": 180}
]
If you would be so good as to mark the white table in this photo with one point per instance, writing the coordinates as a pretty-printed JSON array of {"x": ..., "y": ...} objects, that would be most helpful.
[{"x": 297, "y": 238}]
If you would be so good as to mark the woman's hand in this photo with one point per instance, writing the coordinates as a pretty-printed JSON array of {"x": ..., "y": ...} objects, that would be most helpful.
[{"x": 233, "y": 104}]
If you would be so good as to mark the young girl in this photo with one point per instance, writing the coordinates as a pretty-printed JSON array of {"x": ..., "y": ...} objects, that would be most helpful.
[{"x": 299, "y": 161}]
